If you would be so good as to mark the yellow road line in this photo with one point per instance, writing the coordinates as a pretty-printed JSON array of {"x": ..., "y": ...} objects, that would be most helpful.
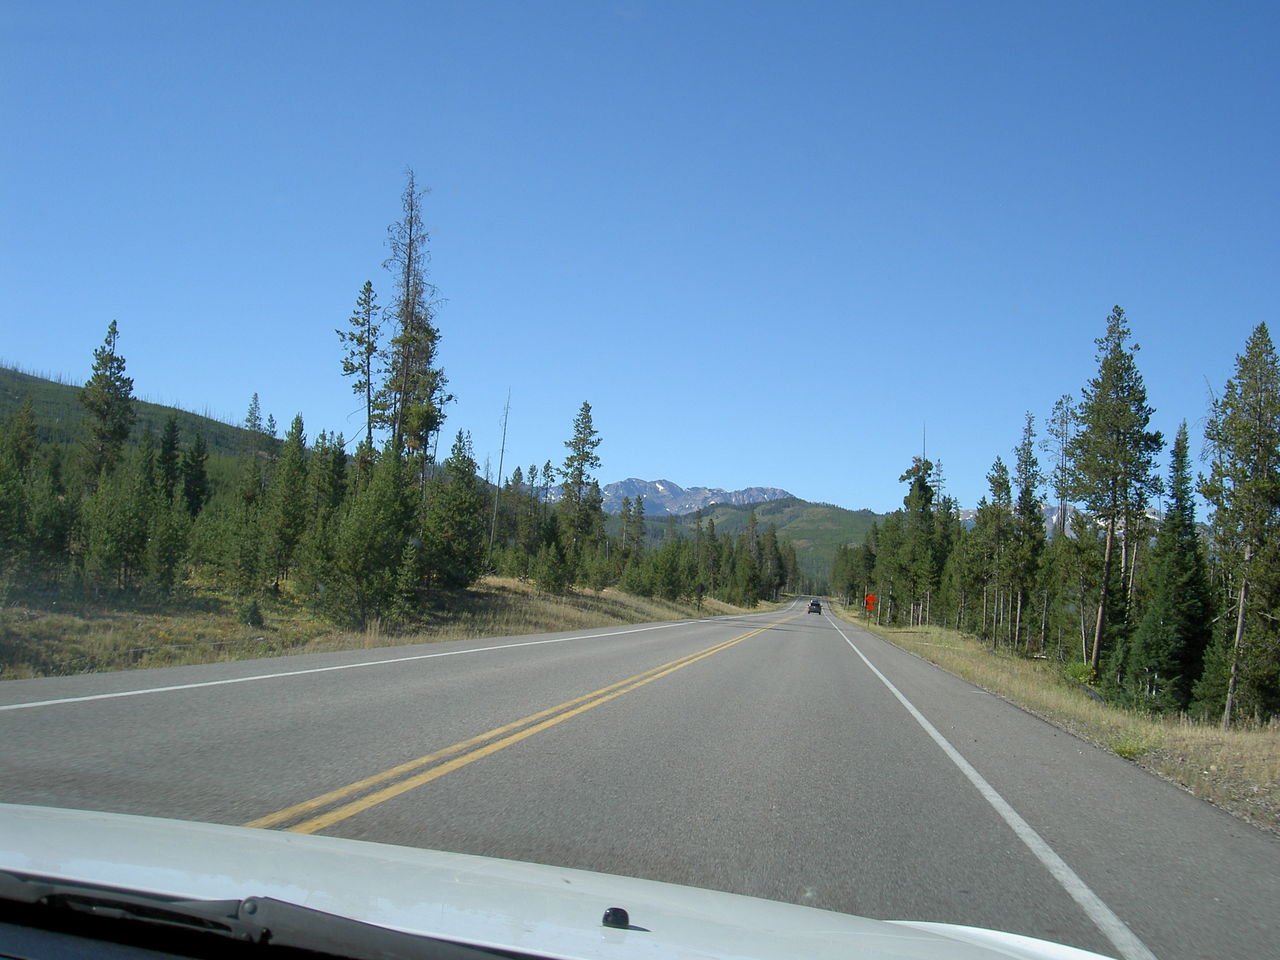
[
  {"x": 289, "y": 813},
  {"x": 549, "y": 718}
]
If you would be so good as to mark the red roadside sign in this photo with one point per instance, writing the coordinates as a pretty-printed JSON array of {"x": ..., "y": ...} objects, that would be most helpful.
[{"x": 871, "y": 601}]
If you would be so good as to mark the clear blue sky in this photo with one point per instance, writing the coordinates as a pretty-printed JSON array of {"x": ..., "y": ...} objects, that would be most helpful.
[{"x": 768, "y": 242}]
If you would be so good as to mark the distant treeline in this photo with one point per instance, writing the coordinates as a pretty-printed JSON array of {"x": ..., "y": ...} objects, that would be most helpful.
[
  {"x": 357, "y": 538},
  {"x": 1154, "y": 611}
]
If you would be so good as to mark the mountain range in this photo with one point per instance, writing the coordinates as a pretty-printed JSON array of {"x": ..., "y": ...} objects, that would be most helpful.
[{"x": 664, "y": 498}]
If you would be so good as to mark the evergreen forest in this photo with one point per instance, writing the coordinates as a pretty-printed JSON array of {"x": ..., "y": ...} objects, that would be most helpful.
[{"x": 1110, "y": 573}]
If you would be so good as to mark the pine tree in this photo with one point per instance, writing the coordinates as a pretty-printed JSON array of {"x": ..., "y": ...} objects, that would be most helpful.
[
  {"x": 746, "y": 564},
  {"x": 116, "y": 520},
  {"x": 580, "y": 503},
  {"x": 992, "y": 535},
  {"x": 18, "y": 443},
  {"x": 548, "y": 478},
  {"x": 1167, "y": 653},
  {"x": 773, "y": 575},
  {"x": 354, "y": 573},
  {"x": 406, "y": 603},
  {"x": 791, "y": 568},
  {"x": 550, "y": 570},
  {"x": 752, "y": 536},
  {"x": 13, "y": 511},
  {"x": 195, "y": 476},
  {"x": 598, "y": 568},
  {"x": 1028, "y": 525},
  {"x": 1113, "y": 458},
  {"x": 169, "y": 459},
  {"x": 530, "y": 526},
  {"x": 103, "y": 533},
  {"x": 166, "y": 546},
  {"x": 253, "y": 419},
  {"x": 411, "y": 400},
  {"x": 666, "y": 580},
  {"x": 705, "y": 555},
  {"x": 51, "y": 514},
  {"x": 327, "y": 474},
  {"x": 727, "y": 567},
  {"x": 246, "y": 545},
  {"x": 918, "y": 563},
  {"x": 624, "y": 525},
  {"x": 636, "y": 532},
  {"x": 1060, "y": 430},
  {"x": 363, "y": 346},
  {"x": 18, "y": 435},
  {"x": 454, "y": 526},
  {"x": 108, "y": 400},
  {"x": 285, "y": 505},
  {"x": 1243, "y": 490},
  {"x": 362, "y": 463}
]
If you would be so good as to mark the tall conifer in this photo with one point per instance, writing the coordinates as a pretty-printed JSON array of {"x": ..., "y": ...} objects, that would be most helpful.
[
  {"x": 1168, "y": 647},
  {"x": 108, "y": 401},
  {"x": 1243, "y": 490},
  {"x": 285, "y": 507},
  {"x": 454, "y": 526},
  {"x": 363, "y": 347},
  {"x": 411, "y": 399},
  {"x": 1028, "y": 525},
  {"x": 580, "y": 502},
  {"x": 1113, "y": 458}
]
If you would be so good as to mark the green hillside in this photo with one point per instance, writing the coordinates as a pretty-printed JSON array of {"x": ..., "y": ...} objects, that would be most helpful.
[
  {"x": 58, "y": 414},
  {"x": 815, "y": 529}
]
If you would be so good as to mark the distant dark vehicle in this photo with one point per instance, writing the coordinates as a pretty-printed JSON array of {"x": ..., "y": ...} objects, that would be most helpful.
[{"x": 815, "y": 606}]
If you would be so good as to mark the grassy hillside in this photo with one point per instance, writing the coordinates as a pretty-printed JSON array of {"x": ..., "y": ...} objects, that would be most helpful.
[
  {"x": 819, "y": 527},
  {"x": 58, "y": 413}
]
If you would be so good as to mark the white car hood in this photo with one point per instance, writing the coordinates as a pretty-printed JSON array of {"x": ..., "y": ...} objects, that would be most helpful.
[{"x": 548, "y": 911}]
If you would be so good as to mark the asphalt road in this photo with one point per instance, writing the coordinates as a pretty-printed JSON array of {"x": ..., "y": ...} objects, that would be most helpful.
[{"x": 783, "y": 755}]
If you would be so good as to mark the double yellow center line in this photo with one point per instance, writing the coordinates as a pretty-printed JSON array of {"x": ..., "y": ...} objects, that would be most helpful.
[{"x": 369, "y": 792}]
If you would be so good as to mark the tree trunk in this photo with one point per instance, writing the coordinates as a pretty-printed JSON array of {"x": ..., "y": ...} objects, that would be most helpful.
[
  {"x": 1096, "y": 656},
  {"x": 1084, "y": 626},
  {"x": 1044, "y": 622},
  {"x": 1017, "y": 625},
  {"x": 1133, "y": 569},
  {"x": 1235, "y": 653}
]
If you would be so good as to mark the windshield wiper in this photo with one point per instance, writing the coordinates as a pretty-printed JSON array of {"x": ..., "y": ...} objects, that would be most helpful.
[{"x": 261, "y": 921}]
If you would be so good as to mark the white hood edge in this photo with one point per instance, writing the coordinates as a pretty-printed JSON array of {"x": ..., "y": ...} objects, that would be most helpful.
[{"x": 550, "y": 911}]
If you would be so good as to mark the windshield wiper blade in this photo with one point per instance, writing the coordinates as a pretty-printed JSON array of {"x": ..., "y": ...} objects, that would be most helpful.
[{"x": 263, "y": 921}]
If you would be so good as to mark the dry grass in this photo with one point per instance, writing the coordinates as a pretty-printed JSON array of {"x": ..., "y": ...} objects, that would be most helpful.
[
  {"x": 56, "y": 637},
  {"x": 66, "y": 638},
  {"x": 1237, "y": 769}
]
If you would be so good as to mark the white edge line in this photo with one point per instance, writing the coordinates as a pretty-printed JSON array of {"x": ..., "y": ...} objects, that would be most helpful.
[
  {"x": 344, "y": 666},
  {"x": 1103, "y": 917}
]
